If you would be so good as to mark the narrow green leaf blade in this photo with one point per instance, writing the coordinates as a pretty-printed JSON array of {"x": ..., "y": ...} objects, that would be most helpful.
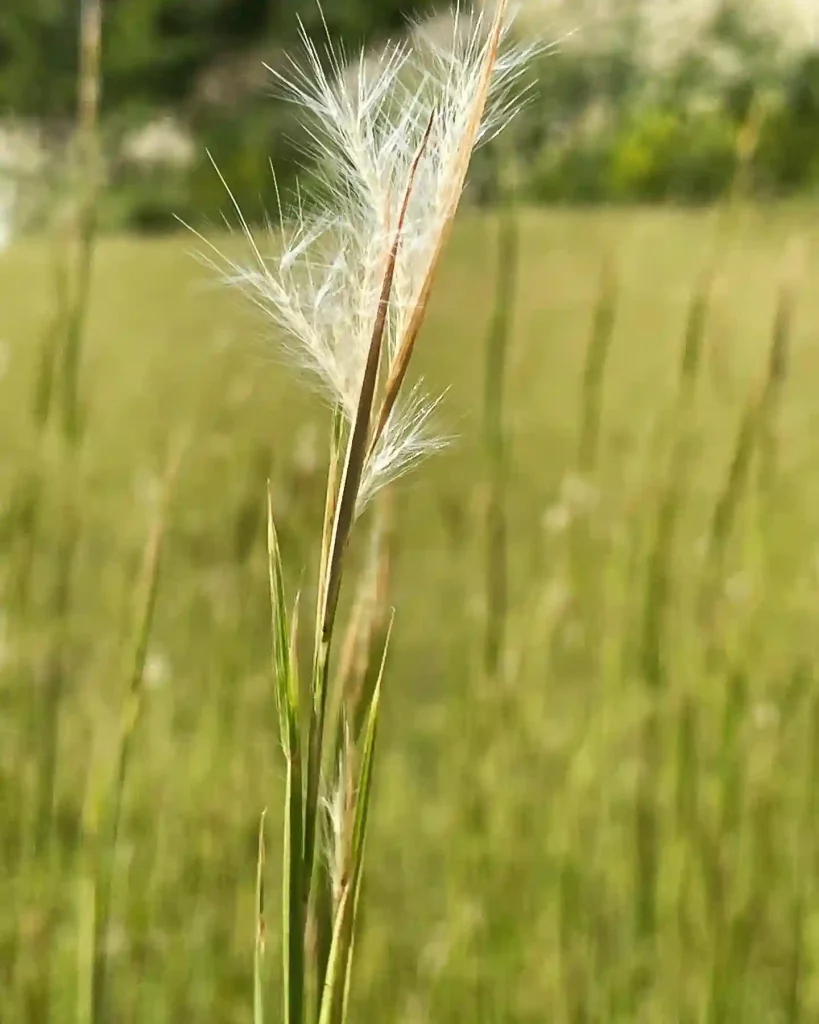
[{"x": 287, "y": 702}]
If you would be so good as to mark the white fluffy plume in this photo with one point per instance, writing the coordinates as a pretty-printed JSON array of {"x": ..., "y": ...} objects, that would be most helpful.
[{"x": 393, "y": 137}]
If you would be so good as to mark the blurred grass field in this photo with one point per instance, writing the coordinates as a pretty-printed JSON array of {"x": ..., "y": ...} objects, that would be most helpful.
[{"x": 621, "y": 826}]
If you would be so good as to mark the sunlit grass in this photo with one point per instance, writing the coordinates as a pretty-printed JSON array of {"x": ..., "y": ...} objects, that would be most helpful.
[{"x": 529, "y": 910}]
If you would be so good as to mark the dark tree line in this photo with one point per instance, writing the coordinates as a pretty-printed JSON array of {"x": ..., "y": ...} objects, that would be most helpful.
[{"x": 155, "y": 50}]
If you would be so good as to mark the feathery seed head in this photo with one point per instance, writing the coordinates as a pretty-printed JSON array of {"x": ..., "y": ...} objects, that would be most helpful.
[{"x": 393, "y": 138}]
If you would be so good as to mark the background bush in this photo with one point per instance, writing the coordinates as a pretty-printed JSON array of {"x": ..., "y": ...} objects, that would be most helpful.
[{"x": 619, "y": 111}]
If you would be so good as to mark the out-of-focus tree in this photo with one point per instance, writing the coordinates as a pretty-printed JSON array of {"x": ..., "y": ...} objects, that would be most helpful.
[
  {"x": 155, "y": 50},
  {"x": 37, "y": 55}
]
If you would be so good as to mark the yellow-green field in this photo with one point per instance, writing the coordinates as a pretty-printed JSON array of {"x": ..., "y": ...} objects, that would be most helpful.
[{"x": 622, "y": 824}]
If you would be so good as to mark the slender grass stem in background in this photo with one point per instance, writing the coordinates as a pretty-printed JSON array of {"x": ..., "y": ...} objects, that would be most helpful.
[
  {"x": 681, "y": 439},
  {"x": 25, "y": 514},
  {"x": 498, "y": 342},
  {"x": 47, "y": 380},
  {"x": 594, "y": 372},
  {"x": 88, "y": 144},
  {"x": 655, "y": 645},
  {"x": 72, "y": 336},
  {"x": 778, "y": 366},
  {"x": 756, "y": 435},
  {"x": 73, "y": 252},
  {"x": 656, "y": 642},
  {"x": 672, "y": 494},
  {"x": 103, "y": 809},
  {"x": 731, "y": 204},
  {"x": 583, "y": 549}
]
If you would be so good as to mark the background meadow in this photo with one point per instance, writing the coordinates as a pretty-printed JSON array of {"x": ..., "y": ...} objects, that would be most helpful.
[{"x": 598, "y": 770}]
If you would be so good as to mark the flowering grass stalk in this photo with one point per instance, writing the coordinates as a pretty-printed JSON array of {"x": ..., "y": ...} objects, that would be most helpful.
[
  {"x": 350, "y": 292},
  {"x": 62, "y": 366}
]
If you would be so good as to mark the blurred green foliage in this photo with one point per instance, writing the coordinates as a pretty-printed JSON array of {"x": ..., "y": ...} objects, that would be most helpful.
[
  {"x": 610, "y": 118},
  {"x": 156, "y": 49},
  {"x": 609, "y": 125}
]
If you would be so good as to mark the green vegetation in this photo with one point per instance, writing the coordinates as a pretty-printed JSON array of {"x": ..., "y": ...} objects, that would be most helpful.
[
  {"x": 625, "y": 109},
  {"x": 604, "y": 810},
  {"x": 157, "y": 49}
]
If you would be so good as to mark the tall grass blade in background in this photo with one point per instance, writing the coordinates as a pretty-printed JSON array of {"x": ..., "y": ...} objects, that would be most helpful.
[
  {"x": 673, "y": 489},
  {"x": 89, "y": 162},
  {"x": 733, "y": 204},
  {"x": 594, "y": 372},
  {"x": 72, "y": 333},
  {"x": 59, "y": 362},
  {"x": 56, "y": 381},
  {"x": 351, "y": 292},
  {"x": 756, "y": 437},
  {"x": 778, "y": 365},
  {"x": 102, "y": 817},
  {"x": 498, "y": 342},
  {"x": 655, "y": 659},
  {"x": 24, "y": 515}
]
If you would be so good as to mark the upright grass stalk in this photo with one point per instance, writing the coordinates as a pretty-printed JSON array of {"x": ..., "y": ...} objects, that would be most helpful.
[
  {"x": 60, "y": 350},
  {"x": 89, "y": 158},
  {"x": 72, "y": 253},
  {"x": 352, "y": 291},
  {"x": 338, "y": 533},
  {"x": 737, "y": 194},
  {"x": 498, "y": 343},
  {"x": 594, "y": 372},
  {"x": 25, "y": 514},
  {"x": 654, "y": 641},
  {"x": 47, "y": 381},
  {"x": 102, "y": 813},
  {"x": 756, "y": 435},
  {"x": 74, "y": 329},
  {"x": 658, "y": 588},
  {"x": 319, "y": 916},
  {"x": 582, "y": 550},
  {"x": 778, "y": 365},
  {"x": 63, "y": 335},
  {"x": 755, "y": 440},
  {"x": 365, "y": 637}
]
